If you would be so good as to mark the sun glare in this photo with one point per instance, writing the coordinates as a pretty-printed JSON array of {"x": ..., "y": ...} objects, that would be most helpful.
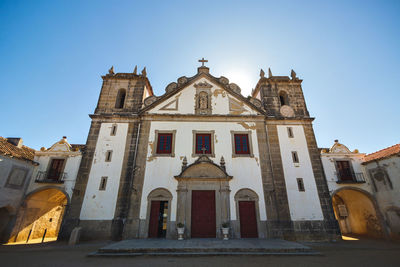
[
  {"x": 348, "y": 238},
  {"x": 243, "y": 79}
]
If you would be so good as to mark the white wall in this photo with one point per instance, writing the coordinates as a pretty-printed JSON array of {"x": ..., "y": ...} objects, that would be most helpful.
[
  {"x": 100, "y": 205},
  {"x": 160, "y": 171},
  {"x": 331, "y": 178},
  {"x": 302, "y": 205},
  {"x": 73, "y": 160}
]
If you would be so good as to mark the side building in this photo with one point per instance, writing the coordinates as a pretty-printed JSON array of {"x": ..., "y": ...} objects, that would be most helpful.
[
  {"x": 42, "y": 209},
  {"x": 16, "y": 168}
]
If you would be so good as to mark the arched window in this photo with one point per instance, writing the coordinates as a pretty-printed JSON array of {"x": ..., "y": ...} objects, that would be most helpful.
[
  {"x": 283, "y": 98},
  {"x": 119, "y": 103}
]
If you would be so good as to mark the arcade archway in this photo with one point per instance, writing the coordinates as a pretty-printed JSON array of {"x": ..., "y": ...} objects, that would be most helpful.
[
  {"x": 357, "y": 213},
  {"x": 40, "y": 216}
]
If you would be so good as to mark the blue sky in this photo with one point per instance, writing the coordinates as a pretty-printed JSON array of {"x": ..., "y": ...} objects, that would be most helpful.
[{"x": 52, "y": 54}]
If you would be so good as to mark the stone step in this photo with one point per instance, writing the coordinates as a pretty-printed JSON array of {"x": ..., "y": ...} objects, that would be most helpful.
[{"x": 203, "y": 247}]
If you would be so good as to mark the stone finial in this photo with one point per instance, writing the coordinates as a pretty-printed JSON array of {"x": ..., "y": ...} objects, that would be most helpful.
[
  {"x": 269, "y": 73},
  {"x": 222, "y": 162},
  {"x": 135, "y": 70},
  {"x": 184, "y": 163},
  {"x": 111, "y": 70},
  {"x": 144, "y": 72},
  {"x": 293, "y": 75},
  {"x": 336, "y": 141},
  {"x": 262, "y": 73}
]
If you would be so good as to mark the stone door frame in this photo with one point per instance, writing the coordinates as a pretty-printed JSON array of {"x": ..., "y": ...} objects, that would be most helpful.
[
  {"x": 246, "y": 194},
  {"x": 203, "y": 175}
]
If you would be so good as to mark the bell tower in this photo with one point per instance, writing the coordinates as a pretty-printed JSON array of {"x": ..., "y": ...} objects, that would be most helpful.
[
  {"x": 101, "y": 193},
  {"x": 282, "y": 96}
]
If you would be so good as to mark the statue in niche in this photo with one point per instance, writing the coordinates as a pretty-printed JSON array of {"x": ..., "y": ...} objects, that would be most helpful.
[{"x": 203, "y": 100}]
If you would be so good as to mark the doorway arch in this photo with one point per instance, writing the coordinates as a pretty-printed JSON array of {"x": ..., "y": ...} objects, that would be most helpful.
[
  {"x": 40, "y": 216},
  {"x": 357, "y": 213}
]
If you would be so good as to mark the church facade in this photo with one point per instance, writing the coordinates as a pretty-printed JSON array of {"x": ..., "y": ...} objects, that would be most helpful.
[{"x": 203, "y": 156}]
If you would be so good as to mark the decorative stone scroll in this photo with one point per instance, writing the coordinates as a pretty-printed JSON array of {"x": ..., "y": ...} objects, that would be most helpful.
[
  {"x": 234, "y": 87},
  {"x": 182, "y": 80},
  {"x": 171, "y": 87},
  {"x": 256, "y": 102},
  {"x": 150, "y": 100},
  {"x": 223, "y": 80},
  {"x": 203, "y": 85}
]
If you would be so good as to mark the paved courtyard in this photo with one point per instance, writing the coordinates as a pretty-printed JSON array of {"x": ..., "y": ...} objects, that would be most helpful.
[{"x": 343, "y": 253}]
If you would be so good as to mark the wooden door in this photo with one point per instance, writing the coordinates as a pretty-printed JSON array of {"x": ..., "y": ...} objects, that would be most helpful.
[
  {"x": 203, "y": 213},
  {"x": 345, "y": 173},
  {"x": 55, "y": 169},
  {"x": 248, "y": 219},
  {"x": 153, "y": 223}
]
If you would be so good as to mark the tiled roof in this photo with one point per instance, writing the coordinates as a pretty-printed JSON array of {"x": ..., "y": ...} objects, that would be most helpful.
[
  {"x": 389, "y": 151},
  {"x": 10, "y": 150}
]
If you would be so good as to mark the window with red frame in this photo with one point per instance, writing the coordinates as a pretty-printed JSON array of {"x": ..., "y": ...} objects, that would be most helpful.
[
  {"x": 242, "y": 144},
  {"x": 164, "y": 143},
  {"x": 203, "y": 141}
]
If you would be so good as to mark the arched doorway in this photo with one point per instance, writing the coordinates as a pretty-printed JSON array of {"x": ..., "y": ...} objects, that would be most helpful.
[
  {"x": 356, "y": 212},
  {"x": 40, "y": 216}
]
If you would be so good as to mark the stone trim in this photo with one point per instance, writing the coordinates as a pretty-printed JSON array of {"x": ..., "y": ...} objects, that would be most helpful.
[
  {"x": 14, "y": 186},
  {"x": 195, "y": 132},
  {"x": 133, "y": 228},
  {"x": 249, "y": 134},
  {"x": 172, "y": 154},
  {"x": 246, "y": 194},
  {"x": 161, "y": 194},
  {"x": 330, "y": 225}
]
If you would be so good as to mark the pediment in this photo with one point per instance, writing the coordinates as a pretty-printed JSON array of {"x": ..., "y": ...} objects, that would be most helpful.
[
  {"x": 60, "y": 146},
  {"x": 203, "y": 169},
  {"x": 202, "y": 94}
]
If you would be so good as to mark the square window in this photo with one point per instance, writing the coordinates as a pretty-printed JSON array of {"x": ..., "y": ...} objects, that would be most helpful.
[
  {"x": 164, "y": 143},
  {"x": 242, "y": 144},
  {"x": 203, "y": 144}
]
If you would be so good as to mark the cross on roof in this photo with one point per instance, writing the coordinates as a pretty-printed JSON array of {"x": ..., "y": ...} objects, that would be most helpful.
[{"x": 202, "y": 61}]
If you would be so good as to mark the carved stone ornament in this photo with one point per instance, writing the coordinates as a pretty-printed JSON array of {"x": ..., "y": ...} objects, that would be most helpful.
[
  {"x": 203, "y": 85},
  {"x": 182, "y": 80},
  {"x": 150, "y": 100},
  {"x": 234, "y": 87},
  {"x": 223, "y": 80},
  {"x": 171, "y": 87},
  {"x": 256, "y": 102},
  {"x": 287, "y": 111}
]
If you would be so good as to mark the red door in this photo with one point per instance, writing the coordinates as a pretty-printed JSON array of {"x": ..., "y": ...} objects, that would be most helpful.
[
  {"x": 153, "y": 224},
  {"x": 248, "y": 219},
  {"x": 203, "y": 213}
]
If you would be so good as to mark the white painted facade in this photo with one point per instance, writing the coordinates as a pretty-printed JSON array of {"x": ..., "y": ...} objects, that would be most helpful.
[
  {"x": 160, "y": 171},
  {"x": 303, "y": 205},
  {"x": 100, "y": 204},
  {"x": 60, "y": 150},
  {"x": 328, "y": 162}
]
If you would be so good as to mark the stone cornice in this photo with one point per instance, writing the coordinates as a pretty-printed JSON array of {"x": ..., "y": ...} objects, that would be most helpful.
[{"x": 209, "y": 118}]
